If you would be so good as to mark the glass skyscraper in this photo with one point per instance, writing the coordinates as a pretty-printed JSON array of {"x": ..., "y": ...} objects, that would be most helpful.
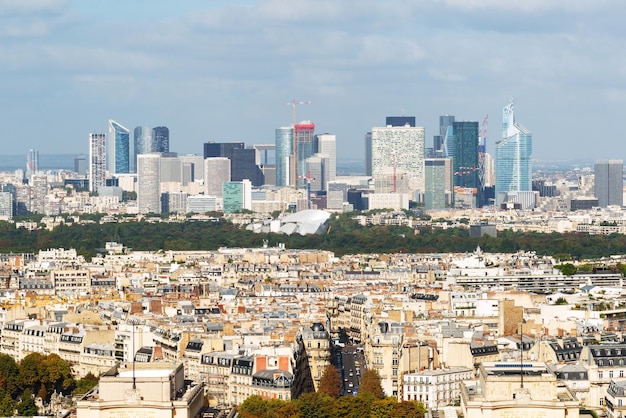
[
  {"x": 32, "y": 163},
  {"x": 284, "y": 153},
  {"x": 445, "y": 127},
  {"x": 306, "y": 146},
  {"x": 512, "y": 155},
  {"x": 464, "y": 144},
  {"x": 118, "y": 149},
  {"x": 435, "y": 188},
  {"x": 161, "y": 135}
]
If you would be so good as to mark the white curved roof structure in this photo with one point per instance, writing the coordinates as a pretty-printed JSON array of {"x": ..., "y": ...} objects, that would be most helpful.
[{"x": 305, "y": 222}]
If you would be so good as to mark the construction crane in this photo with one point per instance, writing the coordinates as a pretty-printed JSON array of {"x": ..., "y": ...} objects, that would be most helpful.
[{"x": 294, "y": 104}]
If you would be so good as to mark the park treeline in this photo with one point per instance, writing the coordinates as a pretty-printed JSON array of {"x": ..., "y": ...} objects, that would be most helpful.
[
  {"x": 37, "y": 375},
  {"x": 344, "y": 236}
]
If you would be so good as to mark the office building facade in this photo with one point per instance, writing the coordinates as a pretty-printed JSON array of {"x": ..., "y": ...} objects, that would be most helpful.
[
  {"x": 398, "y": 158},
  {"x": 237, "y": 196},
  {"x": 284, "y": 154},
  {"x": 244, "y": 162},
  {"x": 32, "y": 163},
  {"x": 306, "y": 146},
  {"x": 400, "y": 121},
  {"x": 80, "y": 164},
  {"x": 327, "y": 145},
  {"x": 216, "y": 173},
  {"x": 609, "y": 182},
  {"x": 463, "y": 141},
  {"x": 118, "y": 149},
  {"x": 445, "y": 126},
  {"x": 149, "y": 183},
  {"x": 147, "y": 140},
  {"x": 97, "y": 162},
  {"x": 144, "y": 143},
  {"x": 193, "y": 168},
  {"x": 435, "y": 187},
  {"x": 161, "y": 136},
  {"x": 368, "y": 154},
  {"x": 512, "y": 157},
  {"x": 6, "y": 205}
]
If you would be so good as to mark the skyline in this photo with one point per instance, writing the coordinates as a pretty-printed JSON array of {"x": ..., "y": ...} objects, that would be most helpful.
[{"x": 224, "y": 71}]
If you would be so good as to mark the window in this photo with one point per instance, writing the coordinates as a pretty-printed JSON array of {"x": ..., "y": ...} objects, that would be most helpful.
[
  {"x": 621, "y": 373},
  {"x": 600, "y": 376}
]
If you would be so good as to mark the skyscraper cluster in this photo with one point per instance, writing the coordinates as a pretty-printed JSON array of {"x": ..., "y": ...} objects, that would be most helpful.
[
  {"x": 122, "y": 152},
  {"x": 457, "y": 171},
  {"x": 315, "y": 161}
]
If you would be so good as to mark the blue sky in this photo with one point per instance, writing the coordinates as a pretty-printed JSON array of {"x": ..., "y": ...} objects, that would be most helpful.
[{"x": 223, "y": 70}]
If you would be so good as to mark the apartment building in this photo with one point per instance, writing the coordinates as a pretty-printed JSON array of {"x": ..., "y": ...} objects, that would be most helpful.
[
  {"x": 311, "y": 357},
  {"x": 435, "y": 388}
]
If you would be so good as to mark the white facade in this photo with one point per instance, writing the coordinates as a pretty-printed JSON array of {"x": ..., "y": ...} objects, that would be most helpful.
[
  {"x": 196, "y": 164},
  {"x": 97, "y": 161},
  {"x": 202, "y": 204},
  {"x": 327, "y": 145},
  {"x": 6, "y": 205},
  {"x": 148, "y": 183},
  {"x": 216, "y": 173},
  {"x": 435, "y": 388},
  {"x": 395, "y": 201},
  {"x": 398, "y": 157}
]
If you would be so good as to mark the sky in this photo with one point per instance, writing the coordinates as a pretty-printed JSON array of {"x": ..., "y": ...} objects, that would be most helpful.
[{"x": 225, "y": 70}]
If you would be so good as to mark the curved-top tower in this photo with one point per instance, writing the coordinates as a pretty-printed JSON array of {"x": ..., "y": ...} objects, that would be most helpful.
[
  {"x": 118, "y": 148},
  {"x": 512, "y": 155}
]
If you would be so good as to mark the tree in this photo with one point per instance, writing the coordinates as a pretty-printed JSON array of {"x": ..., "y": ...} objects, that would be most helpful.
[
  {"x": 85, "y": 384},
  {"x": 370, "y": 383},
  {"x": 30, "y": 369},
  {"x": 7, "y": 405},
  {"x": 330, "y": 383},
  {"x": 9, "y": 375},
  {"x": 27, "y": 406},
  {"x": 253, "y": 406},
  {"x": 568, "y": 269},
  {"x": 561, "y": 301},
  {"x": 383, "y": 408},
  {"x": 315, "y": 405},
  {"x": 56, "y": 375},
  {"x": 408, "y": 409}
]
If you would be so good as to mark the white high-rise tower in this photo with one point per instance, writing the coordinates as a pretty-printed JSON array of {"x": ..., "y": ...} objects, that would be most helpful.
[
  {"x": 398, "y": 159},
  {"x": 149, "y": 183},
  {"x": 97, "y": 161}
]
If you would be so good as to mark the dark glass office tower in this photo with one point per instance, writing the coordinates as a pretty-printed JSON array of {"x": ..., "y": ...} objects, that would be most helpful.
[
  {"x": 400, "y": 121},
  {"x": 161, "y": 135},
  {"x": 243, "y": 161},
  {"x": 464, "y": 141}
]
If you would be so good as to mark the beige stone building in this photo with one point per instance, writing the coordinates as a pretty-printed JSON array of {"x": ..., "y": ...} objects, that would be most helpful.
[
  {"x": 312, "y": 356},
  {"x": 143, "y": 390},
  {"x": 502, "y": 391}
]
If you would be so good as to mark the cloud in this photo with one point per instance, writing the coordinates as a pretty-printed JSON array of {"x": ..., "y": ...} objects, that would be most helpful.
[{"x": 30, "y": 7}]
